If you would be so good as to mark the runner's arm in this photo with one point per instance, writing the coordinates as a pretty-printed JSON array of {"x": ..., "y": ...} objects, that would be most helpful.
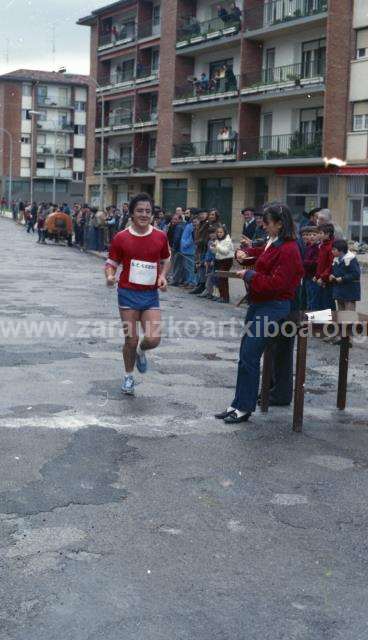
[{"x": 110, "y": 272}]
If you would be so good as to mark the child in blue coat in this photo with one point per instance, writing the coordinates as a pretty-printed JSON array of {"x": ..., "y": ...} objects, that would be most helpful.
[{"x": 345, "y": 277}]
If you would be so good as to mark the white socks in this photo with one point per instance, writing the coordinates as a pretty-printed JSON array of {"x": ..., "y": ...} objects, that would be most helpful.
[{"x": 239, "y": 414}]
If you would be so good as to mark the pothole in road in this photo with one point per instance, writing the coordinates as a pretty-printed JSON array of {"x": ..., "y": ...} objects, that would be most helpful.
[{"x": 83, "y": 474}]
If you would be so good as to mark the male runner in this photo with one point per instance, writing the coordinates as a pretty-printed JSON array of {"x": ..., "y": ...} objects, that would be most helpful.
[{"x": 144, "y": 254}]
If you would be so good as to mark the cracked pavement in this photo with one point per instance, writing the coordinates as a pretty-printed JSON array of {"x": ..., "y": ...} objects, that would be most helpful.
[{"x": 146, "y": 519}]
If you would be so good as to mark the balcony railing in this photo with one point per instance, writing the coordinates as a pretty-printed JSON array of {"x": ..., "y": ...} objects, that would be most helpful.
[
  {"x": 146, "y": 72},
  {"x": 292, "y": 73},
  {"x": 118, "y": 77},
  {"x": 124, "y": 33},
  {"x": 120, "y": 119},
  {"x": 208, "y": 150},
  {"x": 48, "y": 151},
  {"x": 146, "y": 117},
  {"x": 123, "y": 165},
  {"x": 44, "y": 125},
  {"x": 62, "y": 103},
  {"x": 199, "y": 90},
  {"x": 282, "y": 147},
  {"x": 193, "y": 32},
  {"x": 277, "y": 12}
]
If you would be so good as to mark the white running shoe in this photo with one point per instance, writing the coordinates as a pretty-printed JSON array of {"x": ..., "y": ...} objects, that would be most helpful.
[{"x": 128, "y": 386}]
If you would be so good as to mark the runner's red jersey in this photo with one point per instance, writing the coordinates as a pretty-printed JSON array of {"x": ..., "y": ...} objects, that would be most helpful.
[{"x": 140, "y": 257}]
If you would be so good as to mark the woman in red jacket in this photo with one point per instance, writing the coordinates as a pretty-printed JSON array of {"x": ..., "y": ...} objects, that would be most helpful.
[{"x": 271, "y": 285}]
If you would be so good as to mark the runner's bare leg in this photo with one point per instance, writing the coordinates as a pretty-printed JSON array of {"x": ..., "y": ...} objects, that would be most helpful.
[
  {"x": 151, "y": 325},
  {"x": 130, "y": 319}
]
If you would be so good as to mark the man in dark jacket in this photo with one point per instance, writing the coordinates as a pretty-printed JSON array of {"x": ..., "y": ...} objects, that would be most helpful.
[
  {"x": 250, "y": 224},
  {"x": 222, "y": 13},
  {"x": 175, "y": 233}
]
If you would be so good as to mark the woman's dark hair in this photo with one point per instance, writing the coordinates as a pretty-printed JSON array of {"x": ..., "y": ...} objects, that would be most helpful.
[
  {"x": 278, "y": 212},
  {"x": 140, "y": 197},
  {"x": 341, "y": 245}
]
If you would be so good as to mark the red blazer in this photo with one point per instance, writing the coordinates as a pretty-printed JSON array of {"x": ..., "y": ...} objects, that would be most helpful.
[
  {"x": 325, "y": 260},
  {"x": 278, "y": 273}
]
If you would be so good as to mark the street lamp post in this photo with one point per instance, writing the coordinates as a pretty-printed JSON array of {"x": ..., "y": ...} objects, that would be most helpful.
[
  {"x": 102, "y": 151},
  {"x": 10, "y": 186}
]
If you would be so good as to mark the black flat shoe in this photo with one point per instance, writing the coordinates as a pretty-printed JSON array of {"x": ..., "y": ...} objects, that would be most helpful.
[
  {"x": 233, "y": 419},
  {"x": 223, "y": 415}
]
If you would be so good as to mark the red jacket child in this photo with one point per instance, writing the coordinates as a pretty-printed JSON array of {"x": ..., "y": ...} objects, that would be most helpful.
[{"x": 325, "y": 257}]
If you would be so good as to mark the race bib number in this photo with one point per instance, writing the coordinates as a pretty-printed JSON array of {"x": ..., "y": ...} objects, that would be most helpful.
[{"x": 143, "y": 272}]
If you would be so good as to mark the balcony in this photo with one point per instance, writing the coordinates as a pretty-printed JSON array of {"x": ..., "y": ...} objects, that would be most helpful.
[
  {"x": 192, "y": 32},
  {"x": 282, "y": 147},
  {"x": 65, "y": 127},
  {"x": 120, "y": 120},
  {"x": 149, "y": 29},
  {"x": 113, "y": 166},
  {"x": 117, "y": 37},
  {"x": 121, "y": 80},
  {"x": 198, "y": 92},
  {"x": 49, "y": 151},
  {"x": 55, "y": 103},
  {"x": 146, "y": 119},
  {"x": 146, "y": 74},
  {"x": 218, "y": 151},
  {"x": 271, "y": 16},
  {"x": 64, "y": 174},
  {"x": 282, "y": 81}
]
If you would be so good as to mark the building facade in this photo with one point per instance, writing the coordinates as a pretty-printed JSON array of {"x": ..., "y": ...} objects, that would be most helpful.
[
  {"x": 44, "y": 114},
  {"x": 226, "y": 108}
]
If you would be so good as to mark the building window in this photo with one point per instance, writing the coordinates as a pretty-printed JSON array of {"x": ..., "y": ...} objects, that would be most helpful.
[
  {"x": 27, "y": 90},
  {"x": 40, "y": 164},
  {"x": 78, "y": 153},
  {"x": 26, "y": 115},
  {"x": 80, "y": 129},
  {"x": 362, "y": 43},
  {"x": 80, "y": 106},
  {"x": 25, "y": 163},
  {"x": 26, "y": 140},
  {"x": 155, "y": 60},
  {"x": 307, "y": 192},
  {"x": 360, "y": 116},
  {"x": 61, "y": 187},
  {"x": 78, "y": 176},
  {"x": 152, "y": 148},
  {"x": 156, "y": 15},
  {"x": 358, "y": 208}
]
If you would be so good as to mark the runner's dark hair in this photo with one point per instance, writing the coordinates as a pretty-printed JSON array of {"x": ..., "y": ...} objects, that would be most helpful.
[
  {"x": 140, "y": 197},
  {"x": 278, "y": 212}
]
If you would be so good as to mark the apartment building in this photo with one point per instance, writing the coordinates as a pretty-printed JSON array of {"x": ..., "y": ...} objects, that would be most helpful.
[
  {"x": 125, "y": 60},
  {"x": 259, "y": 104},
  {"x": 44, "y": 115}
]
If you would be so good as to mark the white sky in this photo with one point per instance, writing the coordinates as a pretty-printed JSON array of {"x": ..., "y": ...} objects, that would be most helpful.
[{"x": 26, "y": 28}]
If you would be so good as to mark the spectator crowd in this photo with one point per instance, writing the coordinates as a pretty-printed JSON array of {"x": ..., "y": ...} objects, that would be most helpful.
[{"x": 203, "y": 250}]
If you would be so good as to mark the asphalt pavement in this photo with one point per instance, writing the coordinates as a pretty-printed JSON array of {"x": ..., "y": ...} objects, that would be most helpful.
[{"x": 144, "y": 518}]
